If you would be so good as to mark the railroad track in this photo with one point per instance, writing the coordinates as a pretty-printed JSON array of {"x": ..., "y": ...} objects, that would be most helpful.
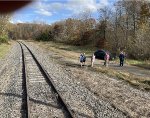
[{"x": 41, "y": 98}]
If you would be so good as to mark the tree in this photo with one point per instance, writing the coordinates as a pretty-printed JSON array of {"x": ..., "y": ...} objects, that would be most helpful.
[
  {"x": 4, "y": 20},
  {"x": 104, "y": 17}
]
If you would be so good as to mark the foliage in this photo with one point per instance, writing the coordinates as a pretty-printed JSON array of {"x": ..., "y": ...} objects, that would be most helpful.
[
  {"x": 124, "y": 28},
  {"x": 28, "y": 31},
  {"x": 4, "y": 19},
  {"x": 43, "y": 37},
  {"x": 3, "y": 39}
]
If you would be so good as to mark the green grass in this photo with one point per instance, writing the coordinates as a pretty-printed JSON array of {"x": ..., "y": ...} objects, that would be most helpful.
[
  {"x": 139, "y": 63},
  {"x": 4, "y": 48}
]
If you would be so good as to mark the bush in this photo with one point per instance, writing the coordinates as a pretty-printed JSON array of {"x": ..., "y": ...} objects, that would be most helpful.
[
  {"x": 42, "y": 37},
  {"x": 4, "y": 39}
]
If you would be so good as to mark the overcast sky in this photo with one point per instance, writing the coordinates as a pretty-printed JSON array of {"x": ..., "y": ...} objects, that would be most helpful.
[{"x": 50, "y": 11}]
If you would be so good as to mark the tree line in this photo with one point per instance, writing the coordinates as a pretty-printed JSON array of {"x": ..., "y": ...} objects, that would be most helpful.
[{"x": 125, "y": 26}]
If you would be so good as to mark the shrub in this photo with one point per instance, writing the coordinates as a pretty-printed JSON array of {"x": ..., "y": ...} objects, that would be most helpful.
[
  {"x": 3, "y": 39},
  {"x": 42, "y": 37}
]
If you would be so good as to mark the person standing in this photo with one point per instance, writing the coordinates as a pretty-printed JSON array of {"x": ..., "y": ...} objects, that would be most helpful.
[
  {"x": 81, "y": 59},
  {"x": 92, "y": 60},
  {"x": 121, "y": 57},
  {"x": 106, "y": 58},
  {"x": 84, "y": 58}
]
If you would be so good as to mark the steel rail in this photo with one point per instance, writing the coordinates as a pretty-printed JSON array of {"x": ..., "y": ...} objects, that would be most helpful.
[
  {"x": 52, "y": 84},
  {"x": 25, "y": 105}
]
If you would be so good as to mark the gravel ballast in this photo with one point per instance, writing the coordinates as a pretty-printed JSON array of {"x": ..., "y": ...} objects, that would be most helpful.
[
  {"x": 11, "y": 84},
  {"x": 42, "y": 100},
  {"x": 82, "y": 101},
  {"x": 88, "y": 93},
  {"x": 121, "y": 95}
]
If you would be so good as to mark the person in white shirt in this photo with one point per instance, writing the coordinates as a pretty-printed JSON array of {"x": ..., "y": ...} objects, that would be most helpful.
[{"x": 92, "y": 60}]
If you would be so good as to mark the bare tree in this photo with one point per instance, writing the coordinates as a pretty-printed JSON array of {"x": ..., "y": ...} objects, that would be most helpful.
[{"x": 104, "y": 16}]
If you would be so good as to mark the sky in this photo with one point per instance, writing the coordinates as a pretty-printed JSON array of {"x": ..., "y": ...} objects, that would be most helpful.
[{"x": 50, "y": 11}]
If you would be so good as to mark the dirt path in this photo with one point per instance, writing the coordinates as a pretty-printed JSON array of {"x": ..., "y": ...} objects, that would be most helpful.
[{"x": 137, "y": 71}]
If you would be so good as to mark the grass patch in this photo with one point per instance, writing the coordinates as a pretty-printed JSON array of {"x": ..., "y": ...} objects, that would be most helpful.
[
  {"x": 72, "y": 52},
  {"x": 4, "y": 48},
  {"x": 139, "y": 63},
  {"x": 138, "y": 82}
]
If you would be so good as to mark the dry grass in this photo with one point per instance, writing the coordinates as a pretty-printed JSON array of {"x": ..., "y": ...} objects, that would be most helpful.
[
  {"x": 4, "y": 48},
  {"x": 143, "y": 64},
  {"x": 118, "y": 92},
  {"x": 139, "y": 82},
  {"x": 133, "y": 103},
  {"x": 67, "y": 50},
  {"x": 71, "y": 54}
]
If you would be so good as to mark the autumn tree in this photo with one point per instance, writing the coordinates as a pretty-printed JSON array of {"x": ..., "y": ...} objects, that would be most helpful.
[
  {"x": 29, "y": 31},
  {"x": 141, "y": 46},
  {"x": 4, "y": 20}
]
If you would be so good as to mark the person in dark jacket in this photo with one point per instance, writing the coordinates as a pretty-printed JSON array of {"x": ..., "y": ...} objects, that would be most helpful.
[
  {"x": 84, "y": 59},
  {"x": 81, "y": 59},
  {"x": 121, "y": 57}
]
